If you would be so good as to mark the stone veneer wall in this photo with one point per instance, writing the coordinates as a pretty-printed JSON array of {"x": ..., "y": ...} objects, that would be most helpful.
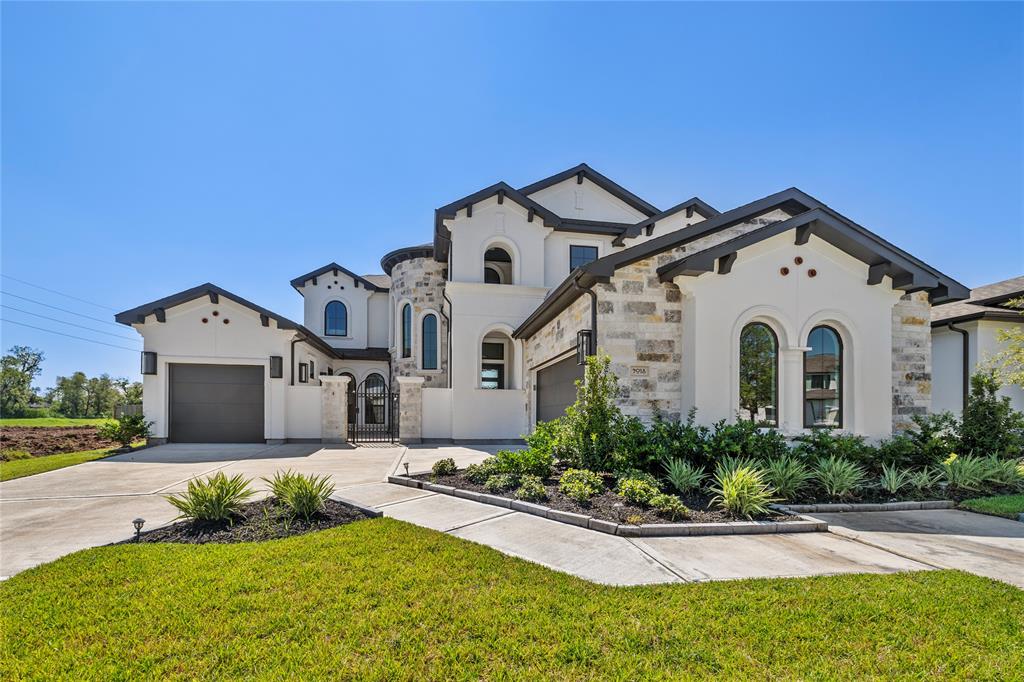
[
  {"x": 421, "y": 281},
  {"x": 911, "y": 359},
  {"x": 639, "y": 325}
]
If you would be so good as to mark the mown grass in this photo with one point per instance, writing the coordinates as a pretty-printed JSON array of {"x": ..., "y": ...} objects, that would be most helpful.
[
  {"x": 52, "y": 421},
  {"x": 36, "y": 465},
  {"x": 385, "y": 600},
  {"x": 999, "y": 505}
]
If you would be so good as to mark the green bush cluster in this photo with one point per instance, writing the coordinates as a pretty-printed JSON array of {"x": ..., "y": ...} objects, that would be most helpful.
[
  {"x": 126, "y": 429},
  {"x": 670, "y": 506},
  {"x": 215, "y": 498},
  {"x": 302, "y": 495},
  {"x": 580, "y": 484},
  {"x": 637, "y": 489},
  {"x": 531, "y": 489},
  {"x": 444, "y": 467},
  {"x": 499, "y": 483}
]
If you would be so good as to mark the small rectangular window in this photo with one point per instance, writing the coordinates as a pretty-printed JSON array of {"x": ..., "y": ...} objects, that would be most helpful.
[
  {"x": 492, "y": 376},
  {"x": 581, "y": 255},
  {"x": 493, "y": 351},
  {"x": 303, "y": 373}
]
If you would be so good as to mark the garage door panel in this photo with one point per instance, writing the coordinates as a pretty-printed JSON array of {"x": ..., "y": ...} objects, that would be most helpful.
[
  {"x": 556, "y": 388},
  {"x": 217, "y": 403}
]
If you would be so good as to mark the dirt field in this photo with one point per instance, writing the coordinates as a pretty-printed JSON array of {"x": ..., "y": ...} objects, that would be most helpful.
[{"x": 51, "y": 440}]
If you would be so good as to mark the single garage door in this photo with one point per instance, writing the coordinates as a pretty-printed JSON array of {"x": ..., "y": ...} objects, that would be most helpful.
[
  {"x": 556, "y": 388},
  {"x": 216, "y": 403}
]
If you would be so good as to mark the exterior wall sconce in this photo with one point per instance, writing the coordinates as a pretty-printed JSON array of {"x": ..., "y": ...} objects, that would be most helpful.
[
  {"x": 584, "y": 346},
  {"x": 148, "y": 362},
  {"x": 276, "y": 366}
]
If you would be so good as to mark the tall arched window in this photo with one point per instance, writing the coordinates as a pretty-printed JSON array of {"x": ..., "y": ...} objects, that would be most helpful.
[
  {"x": 759, "y": 374},
  {"x": 428, "y": 343},
  {"x": 407, "y": 331},
  {"x": 823, "y": 379},
  {"x": 336, "y": 319}
]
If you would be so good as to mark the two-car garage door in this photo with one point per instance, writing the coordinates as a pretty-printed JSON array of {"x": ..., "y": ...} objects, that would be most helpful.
[
  {"x": 216, "y": 403},
  {"x": 556, "y": 388}
]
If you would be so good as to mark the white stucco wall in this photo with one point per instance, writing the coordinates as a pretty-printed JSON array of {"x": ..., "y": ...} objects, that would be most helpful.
[
  {"x": 717, "y": 307},
  {"x": 361, "y": 310},
  {"x": 586, "y": 201},
  {"x": 676, "y": 221},
  {"x": 502, "y": 225},
  {"x": 556, "y": 253},
  {"x": 947, "y": 361},
  {"x": 437, "y": 413}
]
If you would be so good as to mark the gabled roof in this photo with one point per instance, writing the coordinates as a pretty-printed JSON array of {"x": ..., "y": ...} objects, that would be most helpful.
[
  {"x": 584, "y": 171},
  {"x": 138, "y": 314},
  {"x": 393, "y": 258},
  {"x": 985, "y": 303},
  {"x": 807, "y": 214},
  {"x": 300, "y": 282},
  {"x": 693, "y": 205}
]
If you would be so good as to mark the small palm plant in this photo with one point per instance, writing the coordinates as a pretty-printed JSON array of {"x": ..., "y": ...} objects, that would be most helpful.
[
  {"x": 303, "y": 496},
  {"x": 216, "y": 498},
  {"x": 788, "y": 475},
  {"x": 682, "y": 475},
  {"x": 894, "y": 479},
  {"x": 838, "y": 477},
  {"x": 743, "y": 492}
]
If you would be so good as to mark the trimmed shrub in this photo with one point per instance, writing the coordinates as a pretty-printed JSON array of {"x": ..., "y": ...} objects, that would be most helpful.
[
  {"x": 303, "y": 496},
  {"x": 127, "y": 429},
  {"x": 215, "y": 498},
  {"x": 580, "y": 485},
  {"x": 990, "y": 425},
  {"x": 893, "y": 479},
  {"x": 524, "y": 462},
  {"x": 744, "y": 438},
  {"x": 838, "y": 477},
  {"x": 670, "y": 506},
  {"x": 444, "y": 467},
  {"x": 531, "y": 489},
  {"x": 935, "y": 436},
  {"x": 743, "y": 492},
  {"x": 499, "y": 483},
  {"x": 479, "y": 473},
  {"x": 683, "y": 476},
  {"x": 787, "y": 474},
  {"x": 966, "y": 473},
  {"x": 545, "y": 437},
  {"x": 637, "y": 490},
  {"x": 823, "y": 443}
]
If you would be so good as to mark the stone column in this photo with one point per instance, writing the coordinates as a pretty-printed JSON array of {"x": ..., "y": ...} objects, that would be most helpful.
[
  {"x": 911, "y": 359},
  {"x": 410, "y": 409},
  {"x": 333, "y": 409}
]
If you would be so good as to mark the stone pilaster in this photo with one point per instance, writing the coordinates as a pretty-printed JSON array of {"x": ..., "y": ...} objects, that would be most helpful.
[
  {"x": 911, "y": 359},
  {"x": 333, "y": 409},
  {"x": 410, "y": 409}
]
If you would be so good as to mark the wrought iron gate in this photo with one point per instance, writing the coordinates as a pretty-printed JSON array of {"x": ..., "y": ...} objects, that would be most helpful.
[{"x": 375, "y": 417}]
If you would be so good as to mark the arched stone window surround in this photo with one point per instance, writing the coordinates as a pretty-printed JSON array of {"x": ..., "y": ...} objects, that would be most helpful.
[{"x": 418, "y": 328}]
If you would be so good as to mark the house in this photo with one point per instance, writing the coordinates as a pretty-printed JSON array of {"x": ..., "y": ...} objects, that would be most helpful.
[
  {"x": 965, "y": 334},
  {"x": 781, "y": 310}
]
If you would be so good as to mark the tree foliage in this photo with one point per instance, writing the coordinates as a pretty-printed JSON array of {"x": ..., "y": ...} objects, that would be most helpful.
[
  {"x": 1009, "y": 361},
  {"x": 18, "y": 369}
]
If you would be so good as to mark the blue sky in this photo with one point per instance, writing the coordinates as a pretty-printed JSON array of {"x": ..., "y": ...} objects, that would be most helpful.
[{"x": 151, "y": 147}]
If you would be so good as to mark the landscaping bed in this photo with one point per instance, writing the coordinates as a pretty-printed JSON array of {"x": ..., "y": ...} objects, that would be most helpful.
[
  {"x": 263, "y": 520},
  {"x": 39, "y": 441}
]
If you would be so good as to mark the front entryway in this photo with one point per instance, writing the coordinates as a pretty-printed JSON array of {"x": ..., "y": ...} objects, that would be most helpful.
[
  {"x": 374, "y": 417},
  {"x": 216, "y": 403}
]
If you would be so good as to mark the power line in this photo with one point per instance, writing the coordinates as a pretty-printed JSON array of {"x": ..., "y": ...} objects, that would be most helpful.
[
  {"x": 63, "y": 310},
  {"x": 70, "y": 336},
  {"x": 72, "y": 324},
  {"x": 59, "y": 293}
]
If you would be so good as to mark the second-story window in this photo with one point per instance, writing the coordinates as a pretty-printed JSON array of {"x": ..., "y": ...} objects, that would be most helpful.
[
  {"x": 407, "y": 331},
  {"x": 336, "y": 319},
  {"x": 581, "y": 255}
]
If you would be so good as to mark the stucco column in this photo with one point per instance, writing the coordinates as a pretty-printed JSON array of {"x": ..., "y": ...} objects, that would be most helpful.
[
  {"x": 410, "y": 409},
  {"x": 791, "y": 390},
  {"x": 333, "y": 409}
]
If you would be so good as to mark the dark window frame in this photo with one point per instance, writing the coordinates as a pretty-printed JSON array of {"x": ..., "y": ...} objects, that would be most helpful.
[
  {"x": 497, "y": 364},
  {"x": 303, "y": 373},
  {"x": 428, "y": 343},
  {"x": 497, "y": 273},
  {"x": 775, "y": 339},
  {"x": 327, "y": 326},
  {"x": 840, "y": 380},
  {"x": 406, "y": 330},
  {"x": 589, "y": 248}
]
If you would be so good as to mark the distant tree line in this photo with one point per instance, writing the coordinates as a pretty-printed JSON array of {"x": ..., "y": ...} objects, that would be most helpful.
[{"x": 73, "y": 396}]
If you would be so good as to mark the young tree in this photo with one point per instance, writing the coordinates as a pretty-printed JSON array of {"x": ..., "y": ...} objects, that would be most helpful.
[
  {"x": 1010, "y": 360},
  {"x": 69, "y": 395},
  {"x": 17, "y": 371},
  {"x": 591, "y": 425}
]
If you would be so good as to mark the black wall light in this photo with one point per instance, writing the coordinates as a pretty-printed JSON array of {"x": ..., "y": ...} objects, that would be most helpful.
[
  {"x": 583, "y": 346},
  {"x": 276, "y": 366},
  {"x": 148, "y": 362}
]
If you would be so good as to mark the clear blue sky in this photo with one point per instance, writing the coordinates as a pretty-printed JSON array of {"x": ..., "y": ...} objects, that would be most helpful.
[{"x": 148, "y": 148}]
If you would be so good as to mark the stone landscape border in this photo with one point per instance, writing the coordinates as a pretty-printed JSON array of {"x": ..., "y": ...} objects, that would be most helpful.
[
  {"x": 805, "y": 524},
  {"x": 833, "y": 507}
]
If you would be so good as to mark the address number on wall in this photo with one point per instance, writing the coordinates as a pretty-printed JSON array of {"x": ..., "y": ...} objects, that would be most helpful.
[{"x": 637, "y": 371}]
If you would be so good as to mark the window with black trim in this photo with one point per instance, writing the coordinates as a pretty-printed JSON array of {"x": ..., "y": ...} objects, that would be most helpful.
[
  {"x": 336, "y": 319},
  {"x": 429, "y": 341},
  {"x": 492, "y": 275},
  {"x": 823, "y": 379},
  {"x": 303, "y": 373},
  {"x": 759, "y": 374},
  {"x": 407, "y": 331},
  {"x": 581, "y": 255},
  {"x": 492, "y": 365}
]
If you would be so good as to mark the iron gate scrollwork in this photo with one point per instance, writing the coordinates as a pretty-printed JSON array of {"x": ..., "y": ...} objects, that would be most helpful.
[{"x": 375, "y": 417}]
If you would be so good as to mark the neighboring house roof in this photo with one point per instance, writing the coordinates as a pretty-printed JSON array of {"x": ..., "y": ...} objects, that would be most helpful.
[
  {"x": 138, "y": 314},
  {"x": 584, "y": 171},
  {"x": 985, "y": 303},
  {"x": 300, "y": 282},
  {"x": 393, "y": 258},
  {"x": 694, "y": 205},
  {"x": 808, "y": 216},
  {"x": 380, "y": 281}
]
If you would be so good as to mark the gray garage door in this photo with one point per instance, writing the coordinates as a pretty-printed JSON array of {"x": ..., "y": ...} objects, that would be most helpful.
[
  {"x": 216, "y": 403},
  {"x": 556, "y": 388}
]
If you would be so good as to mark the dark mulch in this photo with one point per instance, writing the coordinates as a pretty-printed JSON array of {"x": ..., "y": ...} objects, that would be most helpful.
[
  {"x": 50, "y": 440},
  {"x": 610, "y": 507},
  {"x": 263, "y": 520}
]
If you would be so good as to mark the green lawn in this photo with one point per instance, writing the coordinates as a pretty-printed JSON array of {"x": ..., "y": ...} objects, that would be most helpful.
[
  {"x": 52, "y": 421},
  {"x": 1000, "y": 505},
  {"x": 386, "y": 600},
  {"x": 37, "y": 465}
]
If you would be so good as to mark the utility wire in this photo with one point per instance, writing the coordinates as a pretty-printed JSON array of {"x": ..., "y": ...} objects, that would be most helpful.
[
  {"x": 63, "y": 310},
  {"x": 59, "y": 293},
  {"x": 70, "y": 336},
  {"x": 72, "y": 324}
]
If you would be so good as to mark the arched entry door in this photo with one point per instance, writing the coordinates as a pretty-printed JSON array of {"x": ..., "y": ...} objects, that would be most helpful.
[{"x": 376, "y": 412}]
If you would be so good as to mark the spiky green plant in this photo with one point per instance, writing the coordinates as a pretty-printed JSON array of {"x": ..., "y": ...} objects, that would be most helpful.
[
  {"x": 966, "y": 473},
  {"x": 925, "y": 479},
  {"x": 215, "y": 498},
  {"x": 731, "y": 463},
  {"x": 1008, "y": 472},
  {"x": 682, "y": 475},
  {"x": 839, "y": 478},
  {"x": 894, "y": 479},
  {"x": 302, "y": 495},
  {"x": 787, "y": 474},
  {"x": 743, "y": 492}
]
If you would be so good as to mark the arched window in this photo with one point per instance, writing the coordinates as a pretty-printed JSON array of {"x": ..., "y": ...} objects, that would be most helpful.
[
  {"x": 823, "y": 379},
  {"x": 759, "y": 374},
  {"x": 497, "y": 266},
  {"x": 375, "y": 400},
  {"x": 336, "y": 319},
  {"x": 407, "y": 331},
  {"x": 429, "y": 341}
]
